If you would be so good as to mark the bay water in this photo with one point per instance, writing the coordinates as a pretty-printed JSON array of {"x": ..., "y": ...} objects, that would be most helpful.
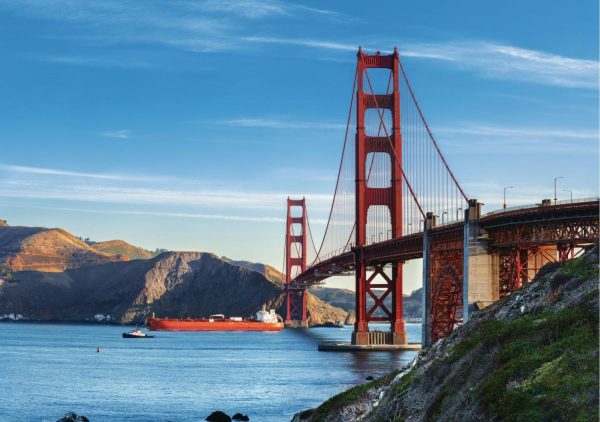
[{"x": 47, "y": 370}]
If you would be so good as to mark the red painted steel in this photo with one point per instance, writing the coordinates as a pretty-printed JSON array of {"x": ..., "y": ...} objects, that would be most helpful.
[
  {"x": 447, "y": 258},
  {"x": 366, "y": 197},
  {"x": 523, "y": 238},
  {"x": 295, "y": 261}
]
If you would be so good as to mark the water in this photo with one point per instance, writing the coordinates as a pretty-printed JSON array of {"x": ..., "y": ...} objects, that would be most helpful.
[{"x": 47, "y": 370}]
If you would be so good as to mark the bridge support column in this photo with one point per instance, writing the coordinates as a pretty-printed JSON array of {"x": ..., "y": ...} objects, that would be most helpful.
[
  {"x": 426, "y": 298},
  {"x": 481, "y": 279},
  {"x": 398, "y": 330},
  {"x": 360, "y": 335},
  {"x": 295, "y": 316}
]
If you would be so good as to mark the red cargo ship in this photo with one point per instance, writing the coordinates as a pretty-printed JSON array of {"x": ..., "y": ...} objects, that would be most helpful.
[{"x": 265, "y": 321}]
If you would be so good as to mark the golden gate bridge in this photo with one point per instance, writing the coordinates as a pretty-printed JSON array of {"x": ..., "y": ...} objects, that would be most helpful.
[{"x": 397, "y": 199}]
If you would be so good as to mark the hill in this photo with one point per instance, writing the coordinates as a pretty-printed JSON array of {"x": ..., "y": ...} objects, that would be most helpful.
[
  {"x": 268, "y": 271},
  {"x": 174, "y": 284},
  {"x": 532, "y": 356},
  {"x": 124, "y": 250},
  {"x": 345, "y": 299},
  {"x": 49, "y": 274},
  {"x": 48, "y": 250}
]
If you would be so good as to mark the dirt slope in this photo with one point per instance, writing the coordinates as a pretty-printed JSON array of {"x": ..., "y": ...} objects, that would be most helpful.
[
  {"x": 48, "y": 250},
  {"x": 124, "y": 250}
]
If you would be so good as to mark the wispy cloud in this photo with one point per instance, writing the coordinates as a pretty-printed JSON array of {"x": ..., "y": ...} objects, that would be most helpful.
[
  {"x": 92, "y": 61},
  {"x": 256, "y": 9},
  {"x": 502, "y": 61},
  {"x": 119, "y": 134},
  {"x": 522, "y": 132},
  {"x": 478, "y": 138},
  {"x": 277, "y": 124},
  {"x": 199, "y": 26},
  {"x": 223, "y": 217},
  {"x": 64, "y": 185},
  {"x": 9, "y": 168},
  {"x": 488, "y": 59},
  {"x": 303, "y": 42}
]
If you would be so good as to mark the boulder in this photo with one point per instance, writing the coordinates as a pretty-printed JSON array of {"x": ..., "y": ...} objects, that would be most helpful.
[
  {"x": 240, "y": 417},
  {"x": 218, "y": 416},
  {"x": 73, "y": 417}
]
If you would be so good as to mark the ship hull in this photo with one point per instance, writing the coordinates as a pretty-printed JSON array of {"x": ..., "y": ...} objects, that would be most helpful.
[{"x": 167, "y": 324}]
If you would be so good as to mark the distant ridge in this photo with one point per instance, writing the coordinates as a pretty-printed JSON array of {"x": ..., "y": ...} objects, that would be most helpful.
[
  {"x": 123, "y": 249},
  {"x": 268, "y": 271}
]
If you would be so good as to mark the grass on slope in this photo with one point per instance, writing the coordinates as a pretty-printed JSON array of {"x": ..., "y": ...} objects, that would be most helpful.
[
  {"x": 545, "y": 363},
  {"x": 347, "y": 397}
]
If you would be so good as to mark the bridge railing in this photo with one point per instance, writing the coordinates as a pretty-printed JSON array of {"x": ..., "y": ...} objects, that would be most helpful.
[{"x": 551, "y": 203}]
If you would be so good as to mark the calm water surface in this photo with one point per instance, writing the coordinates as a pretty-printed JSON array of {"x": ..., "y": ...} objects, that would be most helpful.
[{"x": 47, "y": 370}]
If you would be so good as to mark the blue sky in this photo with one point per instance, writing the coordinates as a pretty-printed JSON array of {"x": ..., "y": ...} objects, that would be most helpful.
[{"x": 185, "y": 125}]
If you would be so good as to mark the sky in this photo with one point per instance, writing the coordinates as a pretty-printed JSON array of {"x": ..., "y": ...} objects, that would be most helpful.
[{"x": 185, "y": 124}]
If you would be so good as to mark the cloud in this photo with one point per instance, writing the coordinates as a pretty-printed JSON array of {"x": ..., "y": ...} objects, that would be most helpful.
[
  {"x": 502, "y": 61},
  {"x": 487, "y": 138},
  {"x": 65, "y": 185},
  {"x": 277, "y": 124},
  {"x": 491, "y": 130},
  {"x": 8, "y": 168},
  {"x": 95, "y": 61},
  {"x": 488, "y": 59},
  {"x": 199, "y": 26},
  {"x": 119, "y": 134},
  {"x": 328, "y": 45}
]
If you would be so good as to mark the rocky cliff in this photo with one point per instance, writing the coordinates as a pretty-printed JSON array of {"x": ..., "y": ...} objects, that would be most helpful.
[
  {"x": 174, "y": 284},
  {"x": 532, "y": 356},
  {"x": 48, "y": 250},
  {"x": 268, "y": 271}
]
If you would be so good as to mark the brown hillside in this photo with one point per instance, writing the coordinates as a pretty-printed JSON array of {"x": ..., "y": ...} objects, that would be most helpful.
[
  {"x": 268, "y": 271},
  {"x": 123, "y": 249},
  {"x": 48, "y": 250}
]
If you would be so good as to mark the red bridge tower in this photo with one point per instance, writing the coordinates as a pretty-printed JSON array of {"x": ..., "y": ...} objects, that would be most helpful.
[
  {"x": 295, "y": 262},
  {"x": 390, "y": 143}
]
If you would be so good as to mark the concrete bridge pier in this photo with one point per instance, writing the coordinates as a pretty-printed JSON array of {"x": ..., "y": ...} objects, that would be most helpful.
[
  {"x": 429, "y": 224},
  {"x": 481, "y": 264}
]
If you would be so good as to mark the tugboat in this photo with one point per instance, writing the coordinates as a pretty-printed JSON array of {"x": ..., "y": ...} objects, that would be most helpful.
[{"x": 137, "y": 333}]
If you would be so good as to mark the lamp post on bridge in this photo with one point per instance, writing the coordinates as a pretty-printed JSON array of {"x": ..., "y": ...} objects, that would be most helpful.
[
  {"x": 444, "y": 213},
  {"x": 505, "y": 189},
  {"x": 457, "y": 213},
  {"x": 571, "y": 192},
  {"x": 555, "y": 197}
]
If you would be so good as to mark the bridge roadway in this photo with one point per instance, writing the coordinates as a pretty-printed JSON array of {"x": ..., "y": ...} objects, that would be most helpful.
[
  {"x": 472, "y": 262},
  {"x": 541, "y": 225}
]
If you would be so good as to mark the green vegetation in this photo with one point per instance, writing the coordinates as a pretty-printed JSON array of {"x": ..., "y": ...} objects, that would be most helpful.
[
  {"x": 350, "y": 396},
  {"x": 545, "y": 363},
  {"x": 158, "y": 251},
  {"x": 6, "y": 273},
  {"x": 579, "y": 269}
]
